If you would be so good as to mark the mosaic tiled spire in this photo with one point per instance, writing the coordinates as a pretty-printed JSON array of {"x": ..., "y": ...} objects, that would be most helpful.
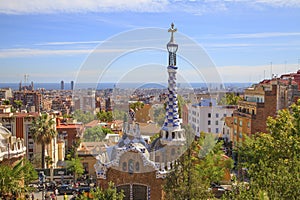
[{"x": 172, "y": 116}]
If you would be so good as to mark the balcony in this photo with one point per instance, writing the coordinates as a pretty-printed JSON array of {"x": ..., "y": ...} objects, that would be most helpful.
[{"x": 244, "y": 114}]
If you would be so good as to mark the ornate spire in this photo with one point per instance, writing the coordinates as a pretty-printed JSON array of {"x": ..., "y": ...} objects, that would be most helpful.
[{"x": 172, "y": 116}]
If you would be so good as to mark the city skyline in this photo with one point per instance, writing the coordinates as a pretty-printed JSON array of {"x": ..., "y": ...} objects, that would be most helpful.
[{"x": 51, "y": 40}]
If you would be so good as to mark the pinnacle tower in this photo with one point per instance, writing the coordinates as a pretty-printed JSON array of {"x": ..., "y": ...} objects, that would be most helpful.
[
  {"x": 172, "y": 116},
  {"x": 171, "y": 130}
]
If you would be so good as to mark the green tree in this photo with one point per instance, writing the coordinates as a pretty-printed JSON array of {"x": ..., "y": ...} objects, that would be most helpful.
[
  {"x": 15, "y": 180},
  {"x": 137, "y": 105},
  {"x": 193, "y": 174},
  {"x": 6, "y": 102},
  {"x": 159, "y": 114},
  {"x": 118, "y": 114},
  {"x": 230, "y": 99},
  {"x": 96, "y": 134},
  {"x": 110, "y": 193},
  {"x": 105, "y": 116},
  {"x": 29, "y": 173},
  {"x": 80, "y": 116},
  {"x": 181, "y": 102},
  {"x": 43, "y": 131},
  {"x": 18, "y": 104},
  {"x": 273, "y": 159},
  {"x": 75, "y": 166}
]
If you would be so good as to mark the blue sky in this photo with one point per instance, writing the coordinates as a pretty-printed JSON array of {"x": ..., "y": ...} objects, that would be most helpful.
[{"x": 51, "y": 40}]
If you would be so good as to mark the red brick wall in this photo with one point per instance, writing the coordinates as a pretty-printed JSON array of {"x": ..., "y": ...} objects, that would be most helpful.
[{"x": 121, "y": 178}]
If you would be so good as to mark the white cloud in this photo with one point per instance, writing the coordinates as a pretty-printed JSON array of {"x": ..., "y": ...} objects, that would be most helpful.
[
  {"x": 263, "y": 35},
  {"x": 254, "y": 73},
  {"x": 80, "y": 6},
  {"x": 14, "y": 53},
  {"x": 68, "y": 43},
  {"x": 278, "y": 3}
]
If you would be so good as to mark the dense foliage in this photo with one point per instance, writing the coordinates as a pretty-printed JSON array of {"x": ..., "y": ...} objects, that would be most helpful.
[
  {"x": 230, "y": 99},
  {"x": 273, "y": 159},
  {"x": 96, "y": 134},
  {"x": 75, "y": 166},
  {"x": 110, "y": 193},
  {"x": 103, "y": 116},
  {"x": 195, "y": 170},
  {"x": 80, "y": 116},
  {"x": 15, "y": 180}
]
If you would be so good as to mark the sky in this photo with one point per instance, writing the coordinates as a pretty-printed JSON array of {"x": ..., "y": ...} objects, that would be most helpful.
[{"x": 113, "y": 41}]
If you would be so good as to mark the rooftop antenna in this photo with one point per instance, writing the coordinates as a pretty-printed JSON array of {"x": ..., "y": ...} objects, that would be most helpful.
[
  {"x": 26, "y": 76},
  {"x": 271, "y": 70}
]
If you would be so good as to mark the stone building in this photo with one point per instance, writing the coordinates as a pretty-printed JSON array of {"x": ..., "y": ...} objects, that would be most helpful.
[
  {"x": 261, "y": 101},
  {"x": 12, "y": 148},
  {"x": 31, "y": 100},
  {"x": 139, "y": 168}
]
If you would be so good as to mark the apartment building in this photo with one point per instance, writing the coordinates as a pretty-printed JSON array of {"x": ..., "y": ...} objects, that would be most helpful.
[{"x": 207, "y": 116}]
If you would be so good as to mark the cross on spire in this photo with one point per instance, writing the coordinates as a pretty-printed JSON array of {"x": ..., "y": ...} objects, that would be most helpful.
[{"x": 172, "y": 30}]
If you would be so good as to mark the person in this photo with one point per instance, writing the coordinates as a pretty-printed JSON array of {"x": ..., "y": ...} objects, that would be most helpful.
[
  {"x": 52, "y": 196},
  {"x": 32, "y": 196},
  {"x": 65, "y": 196}
]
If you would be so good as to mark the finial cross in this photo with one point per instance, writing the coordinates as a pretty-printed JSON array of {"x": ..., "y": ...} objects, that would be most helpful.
[{"x": 172, "y": 30}]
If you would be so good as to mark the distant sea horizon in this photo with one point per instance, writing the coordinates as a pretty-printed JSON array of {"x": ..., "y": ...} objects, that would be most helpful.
[{"x": 110, "y": 85}]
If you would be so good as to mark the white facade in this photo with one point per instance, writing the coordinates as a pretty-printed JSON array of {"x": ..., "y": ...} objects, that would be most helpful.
[{"x": 209, "y": 117}]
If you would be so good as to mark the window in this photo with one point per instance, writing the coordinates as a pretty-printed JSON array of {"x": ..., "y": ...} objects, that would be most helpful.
[
  {"x": 217, "y": 115},
  {"x": 248, "y": 124},
  {"x": 217, "y": 122},
  {"x": 224, "y": 115},
  {"x": 235, "y": 121},
  {"x": 209, "y": 115},
  {"x": 130, "y": 166},
  {"x": 217, "y": 130},
  {"x": 234, "y": 132},
  {"x": 137, "y": 166},
  {"x": 208, "y": 122},
  {"x": 241, "y": 123},
  {"x": 241, "y": 135},
  {"x": 124, "y": 166},
  {"x": 209, "y": 130}
]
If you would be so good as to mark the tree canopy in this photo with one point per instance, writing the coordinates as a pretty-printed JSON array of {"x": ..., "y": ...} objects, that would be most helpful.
[
  {"x": 193, "y": 173},
  {"x": 80, "y": 116},
  {"x": 273, "y": 159},
  {"x": 96, "y": 134},
  {"x": 75, "y": 166},
  {"x": 230, "y": 99},
  {"x": 105, "y": 116},
  {"x": 12, "y": 178},
  {"x": 110, "y": 193}
]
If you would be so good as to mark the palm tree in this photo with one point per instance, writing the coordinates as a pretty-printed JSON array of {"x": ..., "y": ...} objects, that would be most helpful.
[
  {"x": 43, "y": 132},
  {"x": 15, "y": 180}
]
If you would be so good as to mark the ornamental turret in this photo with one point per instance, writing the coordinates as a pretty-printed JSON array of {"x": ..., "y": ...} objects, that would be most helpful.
[{"x": 171, "y": 130}]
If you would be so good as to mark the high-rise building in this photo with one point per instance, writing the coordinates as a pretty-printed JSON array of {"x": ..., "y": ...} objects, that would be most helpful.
[
  {"x": 72, "y": 85},
  {"x": 62, "y": 85}
]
